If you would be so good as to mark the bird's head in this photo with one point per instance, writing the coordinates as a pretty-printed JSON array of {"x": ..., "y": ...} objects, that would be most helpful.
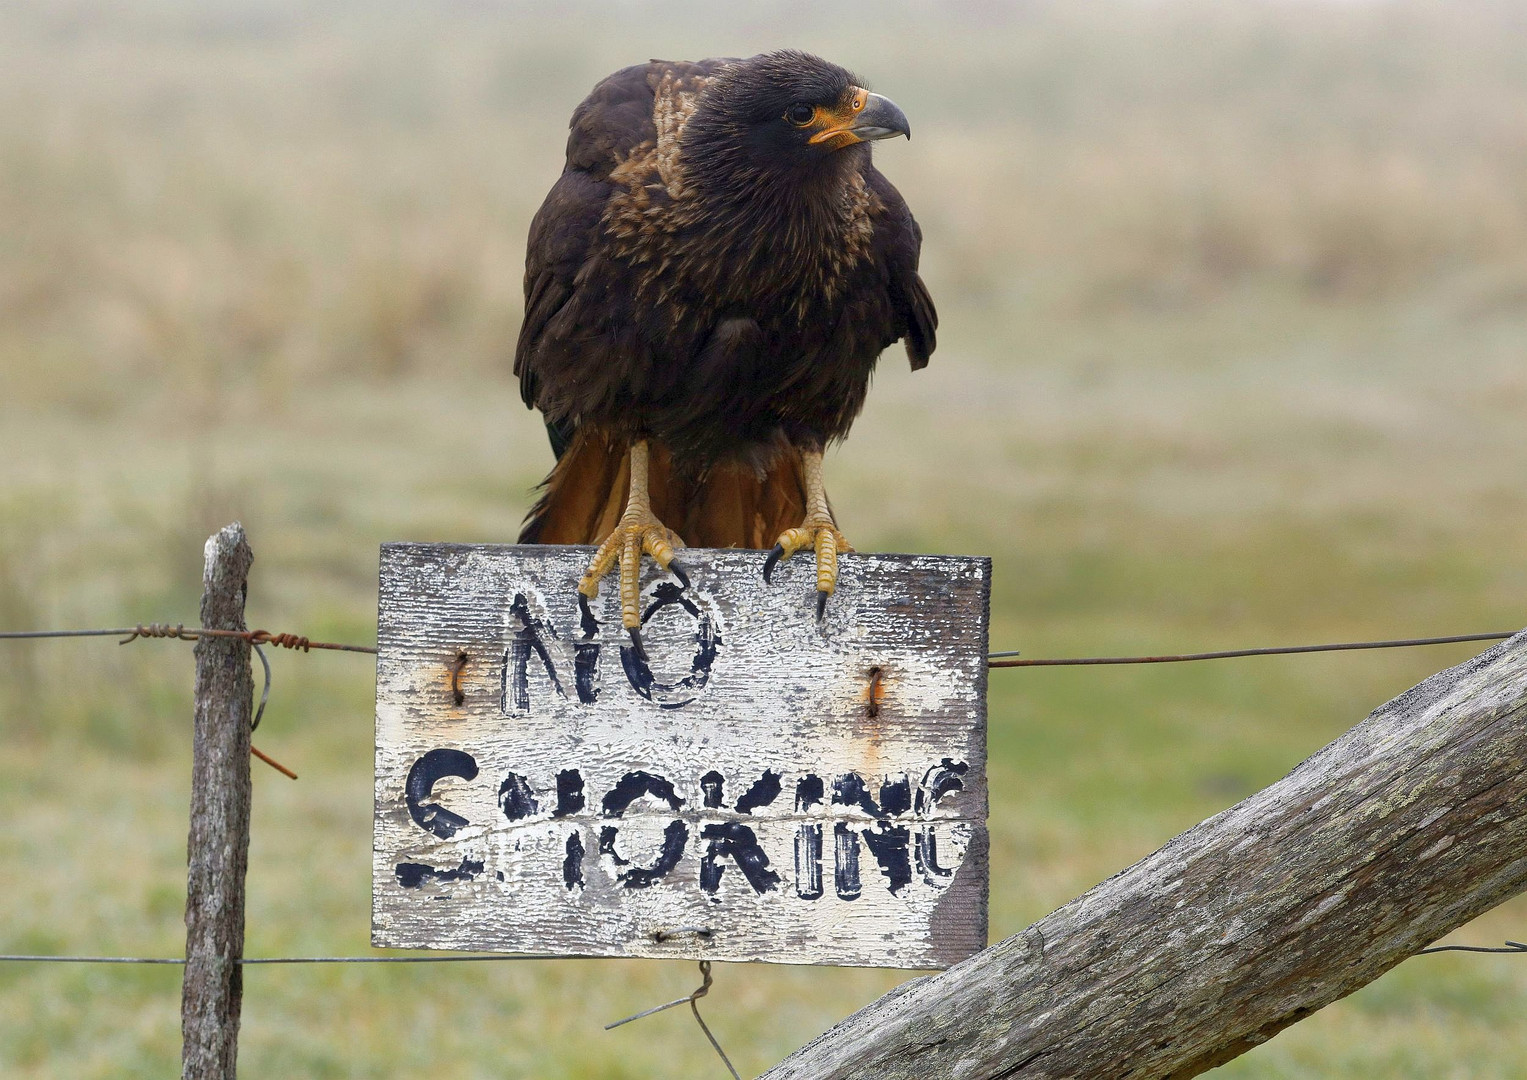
[{"x": 789, "y": 112}]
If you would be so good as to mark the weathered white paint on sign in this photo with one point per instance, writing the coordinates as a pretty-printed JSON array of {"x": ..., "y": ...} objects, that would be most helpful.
[{"x": 803, "y": 792}]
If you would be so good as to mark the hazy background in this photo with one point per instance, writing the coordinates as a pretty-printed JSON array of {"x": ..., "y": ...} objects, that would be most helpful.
[{"x": 1233, "y": 352}]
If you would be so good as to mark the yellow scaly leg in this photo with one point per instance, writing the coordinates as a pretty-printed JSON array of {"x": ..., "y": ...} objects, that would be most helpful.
[
  {"x": 638, "y": 532},
  {"x": 818, "y": 531}
]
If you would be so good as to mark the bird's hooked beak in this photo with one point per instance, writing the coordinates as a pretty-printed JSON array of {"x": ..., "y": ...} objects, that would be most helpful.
[{"x": 863, "y": 117}]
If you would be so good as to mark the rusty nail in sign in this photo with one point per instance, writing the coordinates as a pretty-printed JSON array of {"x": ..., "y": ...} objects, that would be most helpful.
[
  {"x": 874, "y": 695},
  {"x": 457, "y": 695}
]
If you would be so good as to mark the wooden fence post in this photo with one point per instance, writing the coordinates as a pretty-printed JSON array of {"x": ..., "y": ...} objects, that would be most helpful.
[
  {"x": 217, "y": 850},
  {"x": 1406, "y": 827}
]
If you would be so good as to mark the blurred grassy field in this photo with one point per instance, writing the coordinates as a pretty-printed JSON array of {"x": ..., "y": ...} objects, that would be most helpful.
[{"x": 1234, "y": 352}]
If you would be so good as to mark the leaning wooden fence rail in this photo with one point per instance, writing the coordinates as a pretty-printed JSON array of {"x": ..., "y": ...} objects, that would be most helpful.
[{"x": 1406, "y": 827}]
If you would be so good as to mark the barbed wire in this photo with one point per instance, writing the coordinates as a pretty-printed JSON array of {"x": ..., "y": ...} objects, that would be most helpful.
[
  {"x": 690, "y": 999},
  {"x": 1004, "y": 659},
  {"x": 997, "y": 660},
  {"x": 1509, "y": 947},
  {"x": 1008, "y": 659},
  {"x": 183, "y": 633},
  {"x": 178, "y": 631}
]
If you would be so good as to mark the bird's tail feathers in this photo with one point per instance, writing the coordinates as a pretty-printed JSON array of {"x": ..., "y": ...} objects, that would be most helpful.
[{"x": 733, "y": 505}]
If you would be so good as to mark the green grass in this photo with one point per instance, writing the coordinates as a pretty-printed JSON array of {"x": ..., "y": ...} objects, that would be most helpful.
[{"x": 1234, "y": 309}]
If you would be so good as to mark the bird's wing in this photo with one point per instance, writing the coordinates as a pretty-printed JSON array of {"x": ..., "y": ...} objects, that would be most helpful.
[
  {"x": 560, "y": 236},
  {"x": 614, "y": 119},
  {"x": 898, "y": 240},
  {"x": 614, "y": 122}
]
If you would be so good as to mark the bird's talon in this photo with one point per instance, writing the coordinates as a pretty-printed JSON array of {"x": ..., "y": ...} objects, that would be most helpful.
[
  {"x": 636, "y": 643},
  {"x": 822, "y": 537},
  {"x": 622, "y": 551},
  {"x": 677, "y": 570},
  {"x": 772, "y": 561},
  {"x": 637, "y": 533}
]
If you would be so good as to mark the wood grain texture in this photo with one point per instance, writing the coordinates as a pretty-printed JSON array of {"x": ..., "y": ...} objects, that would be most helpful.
[
  {"x": 1409, "y": 825},
  {"x": 756, "y": 786},
  {"x": 217, "y": 850}
]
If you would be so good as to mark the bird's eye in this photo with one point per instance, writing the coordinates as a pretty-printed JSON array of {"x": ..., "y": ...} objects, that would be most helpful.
[
  {"x": 858, "y": 104},
  {"x": 800, "y": 114}
]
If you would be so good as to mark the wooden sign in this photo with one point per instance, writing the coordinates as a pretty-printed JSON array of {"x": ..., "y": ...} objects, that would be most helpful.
[{"x": 763, "y": 787}]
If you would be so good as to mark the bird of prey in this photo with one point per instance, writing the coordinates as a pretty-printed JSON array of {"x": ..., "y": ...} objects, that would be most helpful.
[{"x": 707, "y": 288}]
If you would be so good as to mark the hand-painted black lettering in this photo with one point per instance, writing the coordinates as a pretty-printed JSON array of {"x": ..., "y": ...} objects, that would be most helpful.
[
  {"x": 515, "y": 797},
  {"x": 845, "y": 868},
  {"x": 586, "y": 654},
  {"x": 895, "y": 795},
  {"x": 889, "y": 846},
  {"x": 848, "y": 790},
  {"x": 682, "y": 691},
  {"x": 711, "y": 784},
  {"x": 808, "y": 792},
  {"x": 569, "y": 792},
  {"x": 586, "y": 670},
  {"x": 763, "y": 792},
  {"x": 412, "y": 875},
  {"x": 529, "y": 638},
  {"x": 734, "y": 840},
  {"x": 808, "y": 862},
  {"x": 572, "y": 864},
  {"x": 926, "y": 849},
  {"x": 422, "y": 776},
  {"x": 633, "y": 786},
  {"x": 586, "y": 621},
  {"x": 939, "y": 781},
  {"x": 675, "y": 837},
  {"x": 532, "y": 638}
]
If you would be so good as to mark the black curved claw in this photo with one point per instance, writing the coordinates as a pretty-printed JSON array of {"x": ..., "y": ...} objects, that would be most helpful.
[
  {"x": 822, "y": 604},
  {"x": 636, "y": 643},
  {"x": 773, "y": 560},
  {"x": 677, "y": 570}
]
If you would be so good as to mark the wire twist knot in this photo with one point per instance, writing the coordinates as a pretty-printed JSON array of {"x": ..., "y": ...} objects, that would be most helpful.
[
  {"x": 158, "y": 630},
  {"x": 283, "y": 641}
]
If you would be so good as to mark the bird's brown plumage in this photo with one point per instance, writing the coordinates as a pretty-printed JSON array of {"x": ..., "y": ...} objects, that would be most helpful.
[{"x": 706, "y": 277}]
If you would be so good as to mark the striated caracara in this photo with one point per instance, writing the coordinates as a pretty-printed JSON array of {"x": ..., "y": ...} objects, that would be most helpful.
[{"x": 707, "y": 288}]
